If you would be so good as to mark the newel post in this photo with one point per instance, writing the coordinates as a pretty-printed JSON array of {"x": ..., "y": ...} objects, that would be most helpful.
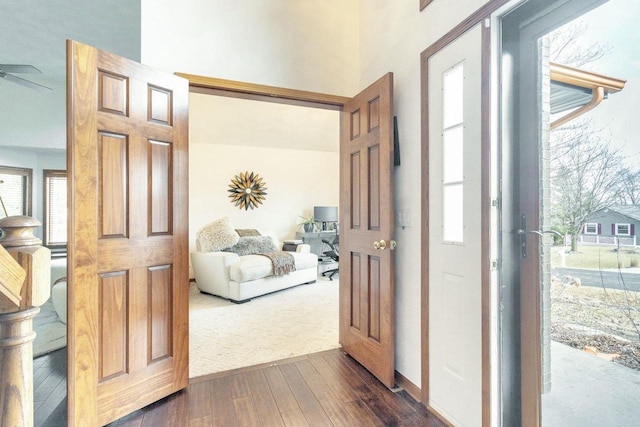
[{"x": 25, "y": 276}]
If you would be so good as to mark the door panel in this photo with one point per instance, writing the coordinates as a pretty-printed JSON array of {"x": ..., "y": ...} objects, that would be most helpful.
[
  {"x": 128, "y": 274},
  {"x": 367, "y": 279},
  {"x": 455, "y": 230}
]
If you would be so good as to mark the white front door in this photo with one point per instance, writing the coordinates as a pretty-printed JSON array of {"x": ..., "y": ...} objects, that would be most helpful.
[{"x": 455, "y": 231}]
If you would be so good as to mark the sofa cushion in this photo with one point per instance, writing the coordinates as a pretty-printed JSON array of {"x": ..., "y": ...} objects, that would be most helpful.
[
  {"x": 217, "y": 235},
  {"x": 253, "y": 267},
  {"x": 249, "y": 245}
]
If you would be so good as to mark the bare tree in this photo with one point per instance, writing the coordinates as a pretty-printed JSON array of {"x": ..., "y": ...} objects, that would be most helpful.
[
  {"x": 585, "y": 170},
  {"x": 586, "y": 176},
  {"x": 566, "y": 48},
  {"x": 630, "y": 186}
]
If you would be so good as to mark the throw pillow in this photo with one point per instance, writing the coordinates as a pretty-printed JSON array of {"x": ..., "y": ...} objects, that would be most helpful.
[
  {"x": 217, "y": 235},
  {"x": 245, "y": 232},
  {"x": 253, "y": 245}
]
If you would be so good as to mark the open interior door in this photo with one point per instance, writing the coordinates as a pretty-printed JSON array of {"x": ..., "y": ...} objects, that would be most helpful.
[
  {"x": 128, "y": 278},
  {"x": 366, "y": 227}
]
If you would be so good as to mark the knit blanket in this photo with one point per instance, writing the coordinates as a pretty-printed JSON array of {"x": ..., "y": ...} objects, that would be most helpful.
[{"x": 283, "y": 262}]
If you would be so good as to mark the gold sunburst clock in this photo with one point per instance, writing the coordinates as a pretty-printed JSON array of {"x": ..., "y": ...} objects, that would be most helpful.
[{"x": 247, "y": 190}]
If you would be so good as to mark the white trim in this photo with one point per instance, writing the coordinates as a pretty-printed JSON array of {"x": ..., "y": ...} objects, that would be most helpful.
[
  {"x": 587, "y": 225},
  {"x": 617, "y": 229}
]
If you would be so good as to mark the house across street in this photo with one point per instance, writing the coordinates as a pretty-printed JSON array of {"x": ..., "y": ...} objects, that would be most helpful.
[{"x": 614, "y": 225}]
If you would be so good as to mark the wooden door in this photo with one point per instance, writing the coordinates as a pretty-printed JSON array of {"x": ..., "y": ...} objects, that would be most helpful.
[
  {"x": 366, "y": 217},
  {"x": 128, "y": 221}
]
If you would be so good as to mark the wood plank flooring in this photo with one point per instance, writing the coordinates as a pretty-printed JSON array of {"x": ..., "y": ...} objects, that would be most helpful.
[{"x": 322, "y": 389}]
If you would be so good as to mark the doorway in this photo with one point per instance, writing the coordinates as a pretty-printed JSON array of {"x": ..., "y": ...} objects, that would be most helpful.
[
  {"x": 295, "y": 149},
  {"x": 544, "y": 380}
]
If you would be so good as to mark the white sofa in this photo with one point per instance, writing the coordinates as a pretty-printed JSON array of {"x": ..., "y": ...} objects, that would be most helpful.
[
  {"x": 241, "y": 278},
  {"x": 59, "y": 287}
]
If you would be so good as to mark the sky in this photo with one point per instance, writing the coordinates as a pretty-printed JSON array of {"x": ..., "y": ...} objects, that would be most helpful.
[{"x": 616, "y": 23}]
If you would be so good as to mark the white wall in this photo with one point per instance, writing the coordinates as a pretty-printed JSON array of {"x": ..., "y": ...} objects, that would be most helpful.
[
  {"x": 330, "y": 46},
  {"x": 401, "y": 33},
  {"x": 310, "y": 45},
  {"x": 294, "y": 149},
  {"x": 296, "y": 180}
]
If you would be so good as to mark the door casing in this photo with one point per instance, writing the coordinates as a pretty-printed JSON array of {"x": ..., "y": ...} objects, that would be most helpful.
[{"x": 477, "y": 17}]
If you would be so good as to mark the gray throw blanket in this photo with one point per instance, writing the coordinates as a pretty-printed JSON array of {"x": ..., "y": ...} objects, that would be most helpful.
[{"x": 283, "y": 262}]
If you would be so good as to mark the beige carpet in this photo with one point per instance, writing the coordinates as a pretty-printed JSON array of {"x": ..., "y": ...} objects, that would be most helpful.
[{"x": 284, "y": 324}]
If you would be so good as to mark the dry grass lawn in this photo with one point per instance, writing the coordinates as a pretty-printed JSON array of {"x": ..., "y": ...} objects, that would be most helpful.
[
  {"x": 606, "y": 319},
  {"x": 597, "y": 257}
]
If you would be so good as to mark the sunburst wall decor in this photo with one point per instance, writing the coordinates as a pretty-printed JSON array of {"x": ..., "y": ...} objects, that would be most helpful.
[{"x": 247, "y": 190}]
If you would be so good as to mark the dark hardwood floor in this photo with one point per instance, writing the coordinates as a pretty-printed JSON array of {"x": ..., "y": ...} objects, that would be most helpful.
[{"x": 322, "y": 389}]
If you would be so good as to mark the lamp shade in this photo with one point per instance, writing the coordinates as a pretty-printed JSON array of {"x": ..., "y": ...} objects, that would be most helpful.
[{"x": 325, "y": 213}]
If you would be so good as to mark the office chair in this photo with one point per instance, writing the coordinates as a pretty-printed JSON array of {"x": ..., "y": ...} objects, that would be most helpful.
[{"x": 333, "y": 253}]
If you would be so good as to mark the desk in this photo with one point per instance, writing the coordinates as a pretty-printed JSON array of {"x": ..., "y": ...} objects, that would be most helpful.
[{"x": 314, "y": 239}]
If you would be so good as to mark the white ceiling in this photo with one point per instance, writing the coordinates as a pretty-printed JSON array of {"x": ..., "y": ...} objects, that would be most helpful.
[{"x": 35, "y": 32}]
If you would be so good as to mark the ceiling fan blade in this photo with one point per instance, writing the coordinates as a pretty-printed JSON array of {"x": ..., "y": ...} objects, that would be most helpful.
[
  {"x": 19, "y": 69},
  {"x": 24, "y": 82}
]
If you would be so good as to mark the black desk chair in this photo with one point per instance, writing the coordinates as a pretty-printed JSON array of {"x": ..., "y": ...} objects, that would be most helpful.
[{"x": 333, "y": 253}]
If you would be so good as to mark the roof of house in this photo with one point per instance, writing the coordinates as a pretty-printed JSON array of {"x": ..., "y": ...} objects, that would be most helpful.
[{"x": 632, "y": 211}]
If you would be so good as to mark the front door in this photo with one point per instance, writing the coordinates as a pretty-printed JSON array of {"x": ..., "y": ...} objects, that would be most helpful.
[
  {"x": 366, "y": 229},
  {"x": 525, "y": 323},
  {"x": 128, "y": 227},
  {"x": 455, "y": 230}
]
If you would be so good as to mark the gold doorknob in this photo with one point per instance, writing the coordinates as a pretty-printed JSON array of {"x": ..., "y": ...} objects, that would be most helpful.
[{"x": 382, "y": 244}]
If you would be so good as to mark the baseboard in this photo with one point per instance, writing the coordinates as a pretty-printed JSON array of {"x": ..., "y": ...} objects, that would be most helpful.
[
  {"x": 412, "y": 389},
  {"x": 416, "y": 393},
  {"x": 439, "y": 416}
]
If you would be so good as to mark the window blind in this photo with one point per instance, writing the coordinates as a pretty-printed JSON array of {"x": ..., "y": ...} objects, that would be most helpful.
[
  {"x": 15, "y": 191},
  {"x": 55, "y": 215}
]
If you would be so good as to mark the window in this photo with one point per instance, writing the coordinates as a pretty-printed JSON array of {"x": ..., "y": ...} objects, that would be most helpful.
[
  {"x": 15, "y": 191},
  {"x": 55, "y": 208},
  {"x": 452, "y": 155},
  {"x": 623, "y": 230},
  {"x": 591, "y": 228}
]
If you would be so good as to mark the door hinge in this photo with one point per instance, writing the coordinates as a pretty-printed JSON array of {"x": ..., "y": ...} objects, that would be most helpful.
[
  {"x": 495, "y": 264},
  {"x": 496, "y": 203}
]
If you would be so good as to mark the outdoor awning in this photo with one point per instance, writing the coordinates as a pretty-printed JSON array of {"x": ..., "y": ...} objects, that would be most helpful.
[{"x": 579, "y": 91}]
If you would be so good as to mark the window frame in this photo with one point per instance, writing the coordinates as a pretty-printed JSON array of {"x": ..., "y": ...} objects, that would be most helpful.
[
  {"x": 46, "y": 174},
  {"x": 586, "y": 228},
  {"x": 27, "y": 191},
  {"x": 617, "y": 229},
  {"x": 453, "y": 226}
]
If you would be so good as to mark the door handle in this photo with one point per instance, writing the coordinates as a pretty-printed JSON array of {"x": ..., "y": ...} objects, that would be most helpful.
[
  {"x": 522, "y": 232},
  {"x": 540, "y": 232},
  {"x": 380, "y": 244}
]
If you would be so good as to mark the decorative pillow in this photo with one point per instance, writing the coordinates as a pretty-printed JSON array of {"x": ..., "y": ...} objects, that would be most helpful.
[
  {"x": 217, "y": 235},
  {"x": 244, "y": 232},
  {"x": 253, "y": 245}
]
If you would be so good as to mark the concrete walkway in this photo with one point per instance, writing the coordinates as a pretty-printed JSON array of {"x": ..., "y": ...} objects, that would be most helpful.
[{"x": 589, "y": 391}]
